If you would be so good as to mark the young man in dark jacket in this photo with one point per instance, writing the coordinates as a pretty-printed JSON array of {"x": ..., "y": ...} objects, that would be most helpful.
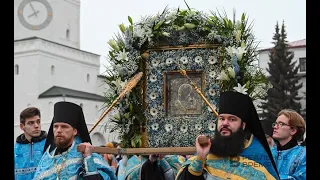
[{"x": 29, "y": 145}]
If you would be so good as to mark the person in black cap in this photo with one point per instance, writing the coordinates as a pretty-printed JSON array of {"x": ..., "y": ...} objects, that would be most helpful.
[
  {"x": 61, "y": 160},
  {"x": 239, "y": 149}
]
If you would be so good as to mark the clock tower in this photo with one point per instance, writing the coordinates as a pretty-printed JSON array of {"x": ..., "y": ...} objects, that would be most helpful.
[{"x": 53, "y": 20}]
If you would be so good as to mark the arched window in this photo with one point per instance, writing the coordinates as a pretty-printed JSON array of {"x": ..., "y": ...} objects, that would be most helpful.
[
  {"x": 98, "y": 139},
  {"x": 16, "y": 69},
  {"x": 88, "y": 77},
  {"x": 67, "y": 33},
  {"x": 52, "y": 70}
]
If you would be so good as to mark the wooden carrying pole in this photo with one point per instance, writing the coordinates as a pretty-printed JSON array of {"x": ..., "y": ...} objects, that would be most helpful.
[
  {"x": 203, "y": 141},
  {"x": 142, "y": 151}
]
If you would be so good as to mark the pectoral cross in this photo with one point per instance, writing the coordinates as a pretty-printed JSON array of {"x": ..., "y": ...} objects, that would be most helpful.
[
  {"x": 59, "y": 167},
  {"x": 58, "y": 170}
]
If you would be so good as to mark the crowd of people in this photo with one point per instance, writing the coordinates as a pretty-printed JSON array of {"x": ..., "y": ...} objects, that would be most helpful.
[{"x": 239, "y": 148}]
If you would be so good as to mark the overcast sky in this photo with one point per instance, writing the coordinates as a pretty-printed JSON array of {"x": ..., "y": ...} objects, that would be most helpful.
[{"x": 100, "y": 18}]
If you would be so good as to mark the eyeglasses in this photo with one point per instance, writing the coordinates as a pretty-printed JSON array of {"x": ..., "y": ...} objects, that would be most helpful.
[{"x": 280, "y": 124}]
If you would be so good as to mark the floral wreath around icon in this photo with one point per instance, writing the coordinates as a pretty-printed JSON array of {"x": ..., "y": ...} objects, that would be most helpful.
[{"x": 232, "y": 65}]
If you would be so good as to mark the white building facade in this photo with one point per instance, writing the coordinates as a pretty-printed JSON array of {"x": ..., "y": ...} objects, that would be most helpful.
[{"x": 49, "y": 65}]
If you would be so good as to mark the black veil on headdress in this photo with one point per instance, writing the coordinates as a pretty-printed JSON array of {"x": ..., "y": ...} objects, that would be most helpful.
[
  {"x": 241, "y": 105},
  {"x": 72, "y": 114}
]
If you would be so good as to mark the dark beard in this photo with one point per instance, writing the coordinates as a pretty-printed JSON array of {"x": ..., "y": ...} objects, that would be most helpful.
[
  {"x": 63, "y": 143},
  {"x": 228, "y": 146}
]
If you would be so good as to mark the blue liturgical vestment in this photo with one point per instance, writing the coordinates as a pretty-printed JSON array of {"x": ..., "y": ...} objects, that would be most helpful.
[
  {"x": 27, "y": 156},
  {"x": 69, "y": 164},
  {"x": 291, "y": 163},
  {"x": 127, "y": 170},
  {"x": 253, "y": 163},
  {"x": 169, "y": 165}
]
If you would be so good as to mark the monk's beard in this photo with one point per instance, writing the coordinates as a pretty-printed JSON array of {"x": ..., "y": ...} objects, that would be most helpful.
[
  {"x": 63, "y": 142},
  {"x": 228, "y": 146}
]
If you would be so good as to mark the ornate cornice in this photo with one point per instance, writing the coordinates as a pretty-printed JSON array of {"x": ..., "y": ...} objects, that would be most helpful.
[{"x": 32, "y": 45}]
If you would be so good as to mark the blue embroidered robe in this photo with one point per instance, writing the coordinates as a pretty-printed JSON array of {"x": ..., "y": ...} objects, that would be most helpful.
[
  {"x": 253, "y": 163},
  {"x": 291, "y": 163},
  {"x": 127, "y": 170},
  {"x": 26, "y": 158},
  {"x": 69, "y": 163},
  {"x": 170, "y": 166}
]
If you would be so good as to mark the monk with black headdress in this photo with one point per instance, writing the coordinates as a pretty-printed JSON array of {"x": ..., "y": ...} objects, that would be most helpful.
[
  {"x": 61, "y": 160},
  {"x": 239, "y": 149}
]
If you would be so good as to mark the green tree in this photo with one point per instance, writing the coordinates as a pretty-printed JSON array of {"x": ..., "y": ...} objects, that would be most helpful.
[{"x": 283, "y": 77}]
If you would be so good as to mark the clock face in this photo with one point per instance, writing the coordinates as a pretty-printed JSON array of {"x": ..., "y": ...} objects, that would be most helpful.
[{"x": 35, "y": 14}]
